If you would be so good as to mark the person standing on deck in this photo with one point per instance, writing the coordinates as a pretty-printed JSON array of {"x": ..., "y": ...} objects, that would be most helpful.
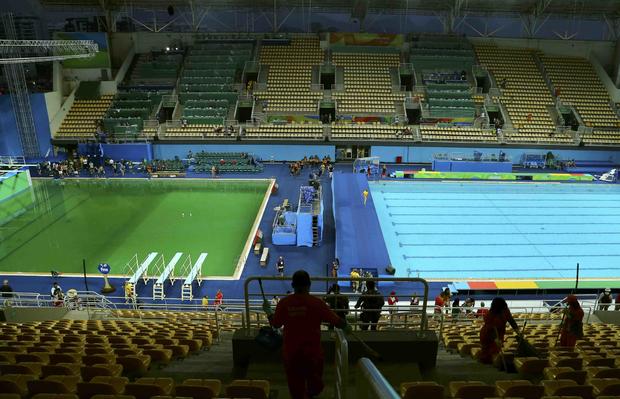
[
  {"x": 572, "y": 326},
  {"x": 365, "y": 195},
  {"x": 301, "y": 315}
]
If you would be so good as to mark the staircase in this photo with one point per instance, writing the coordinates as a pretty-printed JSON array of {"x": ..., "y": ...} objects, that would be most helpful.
[
  {"x": 158, "y": 291},
  {"x": 186, "y": 292},
  {"x": 543, "y": 72},
  {"x": 316, "y": 231}
]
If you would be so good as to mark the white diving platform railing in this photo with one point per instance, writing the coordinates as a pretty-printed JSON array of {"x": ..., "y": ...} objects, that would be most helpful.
[
  {"x": 141, "y": 271},
  {"x": 194, "y": 274},
  {"x": 168, "y": 272}
]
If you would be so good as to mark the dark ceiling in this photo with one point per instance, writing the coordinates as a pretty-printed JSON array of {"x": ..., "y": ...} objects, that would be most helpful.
[{"x": 610, "y": 8}]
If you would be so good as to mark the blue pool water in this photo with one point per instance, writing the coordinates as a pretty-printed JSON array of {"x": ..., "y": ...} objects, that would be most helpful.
[{"x": 462, "y": 230}]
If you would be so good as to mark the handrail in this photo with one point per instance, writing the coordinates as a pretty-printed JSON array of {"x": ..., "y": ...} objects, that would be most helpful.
[
  {"x": 372, "y": 384},
  {"x": 321, "y": 279},
  {"x": 341, "y": 360}
]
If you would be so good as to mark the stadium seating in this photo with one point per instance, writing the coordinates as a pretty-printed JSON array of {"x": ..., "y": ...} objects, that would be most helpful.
[
  {"x": 309, "y": 131},
  {"x": 367, "y": 83},
  {"x": 226, "y": 162},
  {"x": 82, "y": 119},
  {"x": 211, "y": 68},
  {"x": 290, "y": 76},
  {"x": 367, "y": 131},
  {"x": 577, "y": 83},
  {"x": 199, "y": 131},
  {"x": 525, "y": 95},
  {"x": 85, "y": 358},
  {"x": 461, "y": 133},
  {"x": 155, "y": 68},
  {"x": 444, "y": 66}
]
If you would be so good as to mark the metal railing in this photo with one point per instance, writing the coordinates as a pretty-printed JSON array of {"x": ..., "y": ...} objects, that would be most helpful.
[
  {"x": 341, "y": 360},
  {"x": 250, "y": 297},
  {"x": 372, "y": 384}
]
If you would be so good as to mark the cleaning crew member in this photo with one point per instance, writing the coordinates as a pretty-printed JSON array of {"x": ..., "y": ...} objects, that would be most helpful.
[{"x": 301, "y": 314}]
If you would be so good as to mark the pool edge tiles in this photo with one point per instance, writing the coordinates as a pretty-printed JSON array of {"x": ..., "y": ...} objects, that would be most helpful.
[{"x": 494, "y": 230}]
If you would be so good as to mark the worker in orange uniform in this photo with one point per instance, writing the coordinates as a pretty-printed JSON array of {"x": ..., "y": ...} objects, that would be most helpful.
[
  {"x": 301, "y": 314},
  {"x": 494, "y": 329},
  {"x": 572, "y": 324}
]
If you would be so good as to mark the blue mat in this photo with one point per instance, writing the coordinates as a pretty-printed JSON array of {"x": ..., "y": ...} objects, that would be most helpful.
[{"x": 359, "y": 240}]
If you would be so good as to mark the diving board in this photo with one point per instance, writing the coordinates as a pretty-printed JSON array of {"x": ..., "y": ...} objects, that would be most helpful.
[
  {"x": 195, "y": 273},
  {"x": 142, "y": 268},
  {"x": 168, "y": 272}
]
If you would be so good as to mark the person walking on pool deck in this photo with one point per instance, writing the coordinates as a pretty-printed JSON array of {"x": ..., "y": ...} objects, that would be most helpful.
[
  {"x": 219, "y": 299},
  {"x": 301, "y": 315},
  {"x": 6, "y": 289},
  {"x": 605, "y": 299},
  {"x": 371, "y": 303},
  {"x": 337, "y": 302},
  {"x": 494, "y": 328},
  {"x": 280, "y": 266},
  {"x": 355, "y": 283},
  {"x": 572, "y": 327},
  {"x": 365, "y": 195}
]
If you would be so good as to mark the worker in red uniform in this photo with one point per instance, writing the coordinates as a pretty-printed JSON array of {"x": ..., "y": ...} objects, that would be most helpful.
[
  {"x": 219, "y": 299},
  {"x": 442, "y": 300},
  {"x": 301, "y": 314},
  {"x": 494, "y": 328},
  {"x": 572, "y": 325}
]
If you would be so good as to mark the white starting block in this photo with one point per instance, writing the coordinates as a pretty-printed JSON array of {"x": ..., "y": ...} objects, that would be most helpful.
[{"x": 609, "y": 177}]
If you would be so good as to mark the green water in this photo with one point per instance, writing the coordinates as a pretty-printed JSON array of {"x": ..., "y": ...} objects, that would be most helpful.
[{"x": 109, "y": 221}]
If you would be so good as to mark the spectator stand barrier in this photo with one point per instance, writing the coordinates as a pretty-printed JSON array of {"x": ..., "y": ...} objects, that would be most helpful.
[
  {"x": 342, "y": 364},
  {"x": 274, "y": 287},
  {"x": 372, "y": 384}
]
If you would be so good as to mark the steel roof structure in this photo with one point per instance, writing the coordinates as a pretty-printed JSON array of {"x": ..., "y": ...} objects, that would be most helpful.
[{"x": 592, "y": 8}]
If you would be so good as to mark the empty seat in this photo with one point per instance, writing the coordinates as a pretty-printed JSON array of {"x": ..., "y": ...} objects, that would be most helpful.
[
  {"x": 144, "y": 391},
  {"x": 134, "y": 365},
  {"x": 103, "y": 396},
  {"x": 42, "y": 358},
  {"x": 530, "y": 366},
  {"x": 519, "y": 389},
  {"x": 423, "y": 389},
  {"x": 87, "y": 390},
  {"x": 15, "y": 383},
  {"x": 110, "y": 370},
  {"x": 199, "y": 388},
  {"x": 576, "y": 363},
  {"x": 18, "y": 369},
  {"x": 159, "y": 356},
  {"x": 55, "y": 358},
  {"x": 471, "y": 390},
  {"x": 603, "y": 372},
  {"x": 567, "y": 388},
  {"x": 60, "y": 369},
  {"x": 49, "y": 385},
  {"x": 90, "y": 360},
  {"x": 565, "y": 373},
  {"x": 606, "y": 386},
  {"x": 252, "y": 389},
  {"x": 55, "y": 396}
]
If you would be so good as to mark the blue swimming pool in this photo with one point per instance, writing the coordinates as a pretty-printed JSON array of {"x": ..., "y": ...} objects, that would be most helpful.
[{"x": 464, "y": 230}]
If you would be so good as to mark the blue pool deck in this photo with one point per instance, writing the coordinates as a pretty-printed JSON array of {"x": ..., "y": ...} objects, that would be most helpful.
[{"x": 468, "y": 230}]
